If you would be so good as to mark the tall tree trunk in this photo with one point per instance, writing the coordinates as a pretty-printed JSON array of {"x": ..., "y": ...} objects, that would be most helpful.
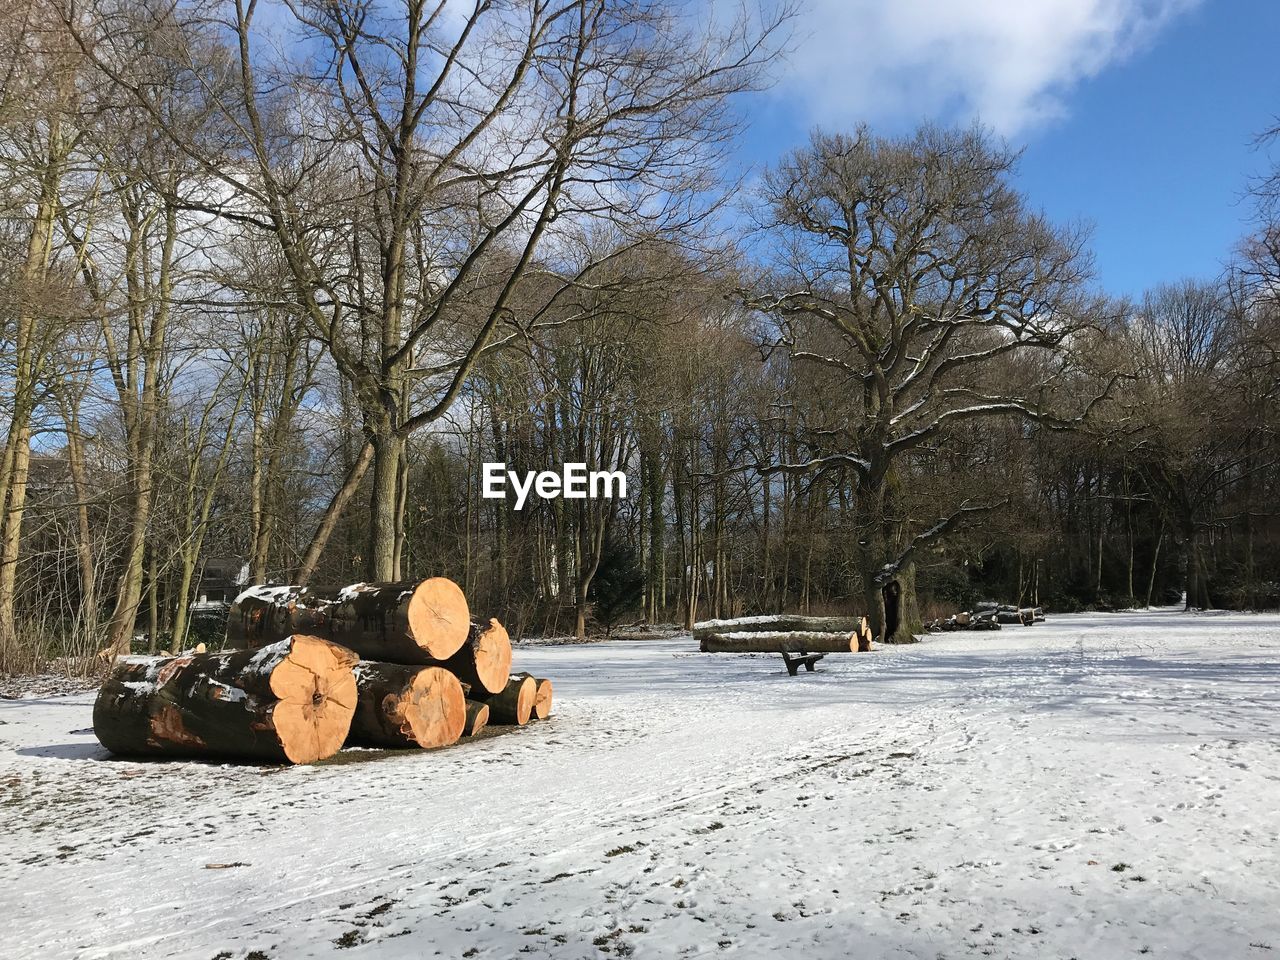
[
  {"x": 337, "y": 504},
  {"x": 84, "y": 532},
  {"x": 15, "y": 466},
  {"x": 380, "y": 561}
]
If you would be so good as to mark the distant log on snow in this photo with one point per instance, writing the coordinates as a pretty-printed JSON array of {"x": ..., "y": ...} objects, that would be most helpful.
[
  {"x": 790, "y": 632},
  {"x": 779, "y": 642},
  {"x": 779, "y": 623},
  {"x": 419, "y": 623},
  {"x": 288, "y": 702},
  {"x": 407, "y": 706}
]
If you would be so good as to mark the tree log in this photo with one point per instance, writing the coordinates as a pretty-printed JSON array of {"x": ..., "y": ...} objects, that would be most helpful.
[
  {"x": 780, "y": 623},
  {"x": 419, "y": 623},
  {"x": 514, "y": 704},
  {"x": 780, "y": 642},
  {"x": 542, "y": 695},
  {"x": 1014, "y": 616},
  {"x": 264, "y": 615},
  {"x": 477, "y": 718},
  {"x": 289, "y": 702},
  {"x": 484, "y": 660},
  {"x": 542, "y": 699},
  {"x": 407, "y": 706}
]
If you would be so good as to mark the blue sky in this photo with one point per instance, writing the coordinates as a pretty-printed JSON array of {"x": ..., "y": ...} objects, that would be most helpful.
[{"x": 1136, "y": 116}]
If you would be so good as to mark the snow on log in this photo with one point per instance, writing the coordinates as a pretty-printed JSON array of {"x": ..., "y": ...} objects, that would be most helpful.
[
  {"x": 261, "y": 616},
  {"x": 780, "y": 623},
  {"x": 1022, "y": 617},
  {"x": 793, "y": 641},
  {"x": 477, "y": 718},
  {"x": 418, "y": 623},
  {"x": 484, "y": 660},
  {"x": 291, "y": 702},
  {"x": 407, "y": 706},
  {"x": 514, "y": 704}
]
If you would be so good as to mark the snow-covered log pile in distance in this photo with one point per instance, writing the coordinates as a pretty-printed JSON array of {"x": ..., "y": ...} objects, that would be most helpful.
[
  {"x": 988, "y": 615},
  {"x": 783, "y": 633},
  {"x": 307, "y": 670}
]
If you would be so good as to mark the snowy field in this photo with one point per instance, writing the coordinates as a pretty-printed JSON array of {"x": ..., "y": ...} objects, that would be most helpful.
[{"x": 1099, "y": 786}]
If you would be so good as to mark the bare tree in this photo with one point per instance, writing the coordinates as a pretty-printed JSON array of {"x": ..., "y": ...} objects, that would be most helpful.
[
  {"x": 908, "y": 269},
  {"x": 411, "y": 164}
]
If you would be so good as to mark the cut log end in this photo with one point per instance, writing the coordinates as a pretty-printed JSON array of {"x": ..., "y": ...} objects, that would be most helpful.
[
  {"x": 492, "y": 656},
  {"x": 439, "y": 618},
  {"x": 542, "y": 700},
  {"x": 477, "y": 718},
  {"x": 863, "y": 635},
  {"x": 317, "y": 696},
  {"x": 437, "y": 712}
]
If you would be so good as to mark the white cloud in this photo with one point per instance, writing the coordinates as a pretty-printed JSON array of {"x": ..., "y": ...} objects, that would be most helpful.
[{"x": 1009, "y": 62}]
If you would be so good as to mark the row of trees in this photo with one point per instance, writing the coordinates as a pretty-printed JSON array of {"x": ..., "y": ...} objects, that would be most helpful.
[{"x": 275, "y": 282}]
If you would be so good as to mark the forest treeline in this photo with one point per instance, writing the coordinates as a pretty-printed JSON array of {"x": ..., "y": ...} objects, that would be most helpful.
[{"x": 276, "y": 282}]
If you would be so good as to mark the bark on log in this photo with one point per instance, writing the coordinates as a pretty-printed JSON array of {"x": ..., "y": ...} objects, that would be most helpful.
[
  {"x": 514, "y": 704},
  {"x": 781, "y": 623},
  {"x": 1021, "y": 617},
  {"x": 407, "y": 706},
  {"x": 477, "y": 718},
  {"x": 418, "y": 623},
  {"x": 789, "y": 642},
  {"x": 264, "y": 615},
  {"x": 542, "y": 695},
  {"x": 484, "y": 660},
  {"x": 289, "y": 702}
]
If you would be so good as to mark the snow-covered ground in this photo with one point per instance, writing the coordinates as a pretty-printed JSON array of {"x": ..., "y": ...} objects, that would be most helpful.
[{"x": 1099, "y": 786}]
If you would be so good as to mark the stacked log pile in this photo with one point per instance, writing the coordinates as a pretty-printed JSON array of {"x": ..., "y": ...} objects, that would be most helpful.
[
  {"x": 784, "y": 633},
  {"x": 988, "y": 615},
  {"x": 309, "y": 670}
]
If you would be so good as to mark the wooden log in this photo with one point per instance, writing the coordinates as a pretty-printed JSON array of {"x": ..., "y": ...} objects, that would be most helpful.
[
  {"x": 264, "y": 615},
  {"x": 484, "y": 660},
  {"x": 407, "y": 706},
  {"x": 780, "y": 623},
  {"x": 789, "y": 642},
  {"x": 418, "y": 623},
  {"x": 289, "y": 702},
  {"x": 542, "y": 699},
  {"x": 477, "y": 718},
  {"x": 514, "y": 704}
]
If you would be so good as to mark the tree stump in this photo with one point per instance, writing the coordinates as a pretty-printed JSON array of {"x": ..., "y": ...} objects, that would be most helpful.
[{"x": 290, "y": 702}]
